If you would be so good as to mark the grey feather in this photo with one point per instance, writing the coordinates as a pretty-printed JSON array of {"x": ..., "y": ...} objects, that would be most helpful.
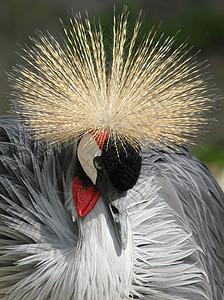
[{"x": 176, "y": 214}]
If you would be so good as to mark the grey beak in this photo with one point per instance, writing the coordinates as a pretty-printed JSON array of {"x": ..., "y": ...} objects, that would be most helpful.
[
  {"x": 118, "y": 209},
  {"x": 117, "y": 203}
]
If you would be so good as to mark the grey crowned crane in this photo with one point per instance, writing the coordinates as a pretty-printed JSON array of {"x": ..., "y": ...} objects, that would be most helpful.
[{"x": 99, "y": 198}]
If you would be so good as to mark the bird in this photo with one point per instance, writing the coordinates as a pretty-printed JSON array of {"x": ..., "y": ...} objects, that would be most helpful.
[{"x": 100, "y": 197}]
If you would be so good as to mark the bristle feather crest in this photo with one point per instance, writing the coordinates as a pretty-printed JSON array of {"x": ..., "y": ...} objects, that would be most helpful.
[{"x": 153, "y": 96}]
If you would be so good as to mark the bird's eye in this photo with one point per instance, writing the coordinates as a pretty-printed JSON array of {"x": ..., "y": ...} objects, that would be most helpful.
[{"x": 97, "y": 163}]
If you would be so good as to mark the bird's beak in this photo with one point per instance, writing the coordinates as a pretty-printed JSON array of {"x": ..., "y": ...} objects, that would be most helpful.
[
  {"x": 118, "y": 210},
  {"x": 117, "y": 204}
]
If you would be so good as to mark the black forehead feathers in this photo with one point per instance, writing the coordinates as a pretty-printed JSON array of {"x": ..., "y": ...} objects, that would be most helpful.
[{"x": 122, "y": 163}]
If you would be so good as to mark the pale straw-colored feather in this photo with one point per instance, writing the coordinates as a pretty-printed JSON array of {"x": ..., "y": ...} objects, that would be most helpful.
[{"x": 149, "y": 94}]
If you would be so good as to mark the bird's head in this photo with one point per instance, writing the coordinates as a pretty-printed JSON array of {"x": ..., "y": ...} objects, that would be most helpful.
[
  {"x": 147, "y": 95},
  {"x": 113, "y": 168}
]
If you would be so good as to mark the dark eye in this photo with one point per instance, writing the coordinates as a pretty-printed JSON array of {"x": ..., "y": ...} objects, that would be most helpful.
[{"x": 97, "y": 163}]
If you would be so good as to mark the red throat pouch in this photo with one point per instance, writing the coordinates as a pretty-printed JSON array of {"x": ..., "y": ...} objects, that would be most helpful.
[{"x": 85, "y": 199}]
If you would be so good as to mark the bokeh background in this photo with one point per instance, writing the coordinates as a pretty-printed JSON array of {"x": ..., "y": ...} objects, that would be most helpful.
[{"x": 201, "y": 23}]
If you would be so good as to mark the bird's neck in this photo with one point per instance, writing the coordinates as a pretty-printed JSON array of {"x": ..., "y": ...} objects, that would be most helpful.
[{"x": 104, "y": 270}]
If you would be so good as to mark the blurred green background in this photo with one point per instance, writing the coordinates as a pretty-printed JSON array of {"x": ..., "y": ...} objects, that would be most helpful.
[{"x": 201, "y": 23}]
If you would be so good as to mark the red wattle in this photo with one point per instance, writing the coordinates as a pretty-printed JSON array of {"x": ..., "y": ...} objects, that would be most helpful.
[{"x": 85, "y": 199}]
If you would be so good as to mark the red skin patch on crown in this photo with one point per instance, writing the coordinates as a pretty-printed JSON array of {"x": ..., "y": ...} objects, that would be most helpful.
[
  {"x": 85, "y": 199},
  {"x": 100, "y": 137}
]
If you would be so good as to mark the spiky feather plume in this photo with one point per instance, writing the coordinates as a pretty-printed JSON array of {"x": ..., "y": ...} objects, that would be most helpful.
[{"x": 149, "y": 94}]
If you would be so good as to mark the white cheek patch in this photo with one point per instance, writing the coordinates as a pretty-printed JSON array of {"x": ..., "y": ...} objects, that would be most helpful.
[{"x": 87, "y": 150}]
